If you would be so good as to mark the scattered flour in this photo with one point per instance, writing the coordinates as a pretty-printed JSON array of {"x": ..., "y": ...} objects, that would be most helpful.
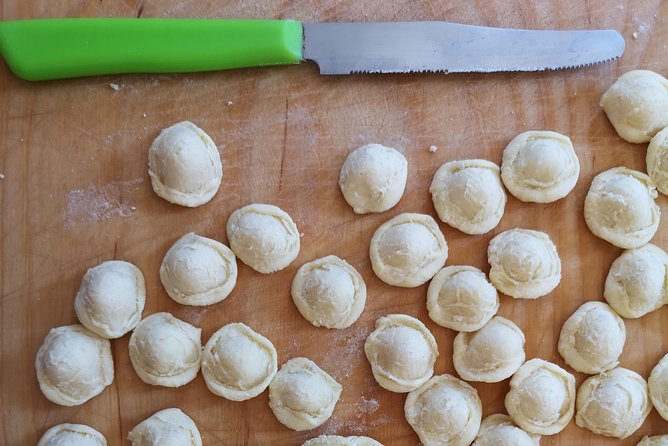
[
  {"x": 2, "y": 176},
  {"x": 114, "y": 87},
  {"x": 230, "y": 103},
  {"x": 193, "y": 315},
  {"x": 433, "y": 148},
  {"x": 93, "y": 203},
  {"x": 635, "y": 35},
  {"x": 346, "y": 353}
]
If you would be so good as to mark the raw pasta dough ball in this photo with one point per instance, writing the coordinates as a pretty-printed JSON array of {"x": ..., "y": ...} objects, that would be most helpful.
[
  {"x": 490, "y": 354},
  {"x": 524, "y": 263},
  {"x": 468, "y": 195},
  {"x": 335, "y": 440},
  {"x": 637, "y": 105},
  {"x": 541, "y": 399},
  {"x": 238, "y": 363},
  {"x": 165, "y": 351},
  {"x": 620, "y": 207},
  {"x": 658, "y": 387},
  {"x": 329, "y": 292},
  {"x": 540, "y": 166},
  {"x": 592, "y": 339},
  {"x": 111, "y": 299},
  {"x": 402, "y": 353},
  {"x": 657, "y": 440},
  {"x": 198, "y": 270},
  {"x": 461, "y": 298},
  {"x": 408, "y": 250},
  {"x": 72, "y": 435},
  {"x": 444, "y": 411},
  {"x": 373, "y": 178},
  {"x": 657, "y": 160},
  {"x": 169, "y": 427},
  {"x": 184, "y": 165},
  {"x": 499, "y": 430},
  {"x": 614, "y": 403},
  {"x": 264, "y": 237},
  {"x": 302, "y": 395},
  {"x": 73, "y": 365}
]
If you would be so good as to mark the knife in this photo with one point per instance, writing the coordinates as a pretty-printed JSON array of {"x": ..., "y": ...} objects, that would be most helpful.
[{"x": 62, "y": 48}]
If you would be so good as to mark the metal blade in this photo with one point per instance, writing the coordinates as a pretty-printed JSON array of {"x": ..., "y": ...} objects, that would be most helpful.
[{"x": 400, "y": 47}]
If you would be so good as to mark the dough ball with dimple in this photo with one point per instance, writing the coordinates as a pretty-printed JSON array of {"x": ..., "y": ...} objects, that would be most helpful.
[
  {"x": 402, "y": 353},
  {"x": 335, "y": 440},
  {"x": 72, "y": 435},
  {"x": 637, "y": 105},
  {"x": 620, "y": 207},
  {"x": 592, "y": 339},
  {"x": 541, "y": 399},
  {"x": 373, "y": 178},
  {"x": 468, "y": 195},
  {"x": 238, "y": 363},
  {"x": 500, "y": 430},
  {"x": 524, "y": 263},
  {"x": 302, "y": 395},
  {"x": 461, "y": 298},
  {"x": 614, "y": 403},
  {"x": 111, "y": 298},
  {"x": 168, "y": 427},
  {"x": 408, "y": 250},
  {"x": 264, "y": 237},
  {"x": 184, "y": 165},
  {"x": 658, "y": 387},
  {"x": 73, "y": 365},
  {"x": 198, "y": 270},
  {"x": 165, "y": 351},
  {"x": 444, "y": 411},
  {"x": 540, "y": 166},
  {"x": 657, "y": 160},
  {"x": 656, "y": 440},
  {"x": 490, "y": 354},
  {"x": 636, "y": 282},
  {"x": 329, "y": 292}
]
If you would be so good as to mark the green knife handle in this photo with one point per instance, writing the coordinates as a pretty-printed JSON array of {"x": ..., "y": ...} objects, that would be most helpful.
[{"x": 63, "y": 48}]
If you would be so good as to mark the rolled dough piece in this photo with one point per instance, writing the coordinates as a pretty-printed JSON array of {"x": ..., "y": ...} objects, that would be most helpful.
[
  {"x": 198, "y": 271},
  {"x": 111, "y": 299},
  {"x": 468, "y": 195},
  {"x": 408, "y": 250},
  {"x": 614, "y": 403},
  {"x": 657, "y": 160},
  {"x": 656, "y": 440},
  {"x": 541, "y": 399},
  {"x": 402, "y": 353},
  {"x": 168, "y": 427},
  {"x": 373, "y": 178},
  {"x": 620, "y": 207},
  {"x": 444, "y": 411},
  {"x": 329, "y": 292},
  {"x": 540, "y": 166},
  {"x": 500, "y": 430},
  {"x": 524, "y": 263},
  {"x": 165, "y": 351},
  {"x": 335, "y": 440},
  {"x": 637, "y": 105},
  {"x": 490, "y": 354},
  {"x": 184, "y": 165},
  {"x": 302, "y": 395},
  {"x": 658, "y": 387},
  {"x": 73, "y": 365},
  {"x": 72, "y": 435},
  {"x": 238, "y": 363},
  {"x": 461, "y": 298},
  {"x": 264, "y": 237},
  {"x": 592, "y": 339}
]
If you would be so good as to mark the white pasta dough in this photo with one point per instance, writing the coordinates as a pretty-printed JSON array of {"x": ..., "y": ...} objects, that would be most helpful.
[
  {"x": 184, "y": 165},
  {"x": 540, "y": 166},
  {"x": 499, "y": 430},
  {"x": 111, "y": 299},
  {"x": 373, "y": 178},
  {"x": 168, "y": 427},
  {"x": 658, "y": 387},
  {"x": 72, "y": 435},
  {"x": 335, "y": 440},
  {"x": 657, "y": 160},
  {"x": 620, "y": 207},
  {"x": 73, "y": 365},
  {"x": 656, "y": 440},
  {"x": 468, "y": 195}
]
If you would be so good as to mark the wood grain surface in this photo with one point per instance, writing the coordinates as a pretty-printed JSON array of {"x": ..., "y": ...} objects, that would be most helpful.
[{"x": 76, "y": 192}]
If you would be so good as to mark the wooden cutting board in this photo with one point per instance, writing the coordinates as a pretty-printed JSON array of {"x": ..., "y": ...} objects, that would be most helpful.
[{"x": 76, "y": 192}]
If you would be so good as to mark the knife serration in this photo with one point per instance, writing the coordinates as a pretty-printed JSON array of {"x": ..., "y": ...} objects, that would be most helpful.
[{"x": 402, "y": 47}]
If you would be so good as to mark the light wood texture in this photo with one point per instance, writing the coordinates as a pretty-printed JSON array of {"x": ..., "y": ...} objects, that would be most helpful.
[{"x": 76, "y": 192}]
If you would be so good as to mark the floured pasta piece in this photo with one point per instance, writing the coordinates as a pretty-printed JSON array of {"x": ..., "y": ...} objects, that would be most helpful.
[
  {"x": 500, "y": 430},
  {"x": 72, "y": 435},
  {"x": 657, "y": 160},
  {"x": 656, "y": 440},
  {"x": 620, "y": 207},
  {"x": 168, "y": 427},
  {"x": 614, "y": 403},
  {"x": 336, "y": 440},
  {"x": 658, "y": 387}
]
